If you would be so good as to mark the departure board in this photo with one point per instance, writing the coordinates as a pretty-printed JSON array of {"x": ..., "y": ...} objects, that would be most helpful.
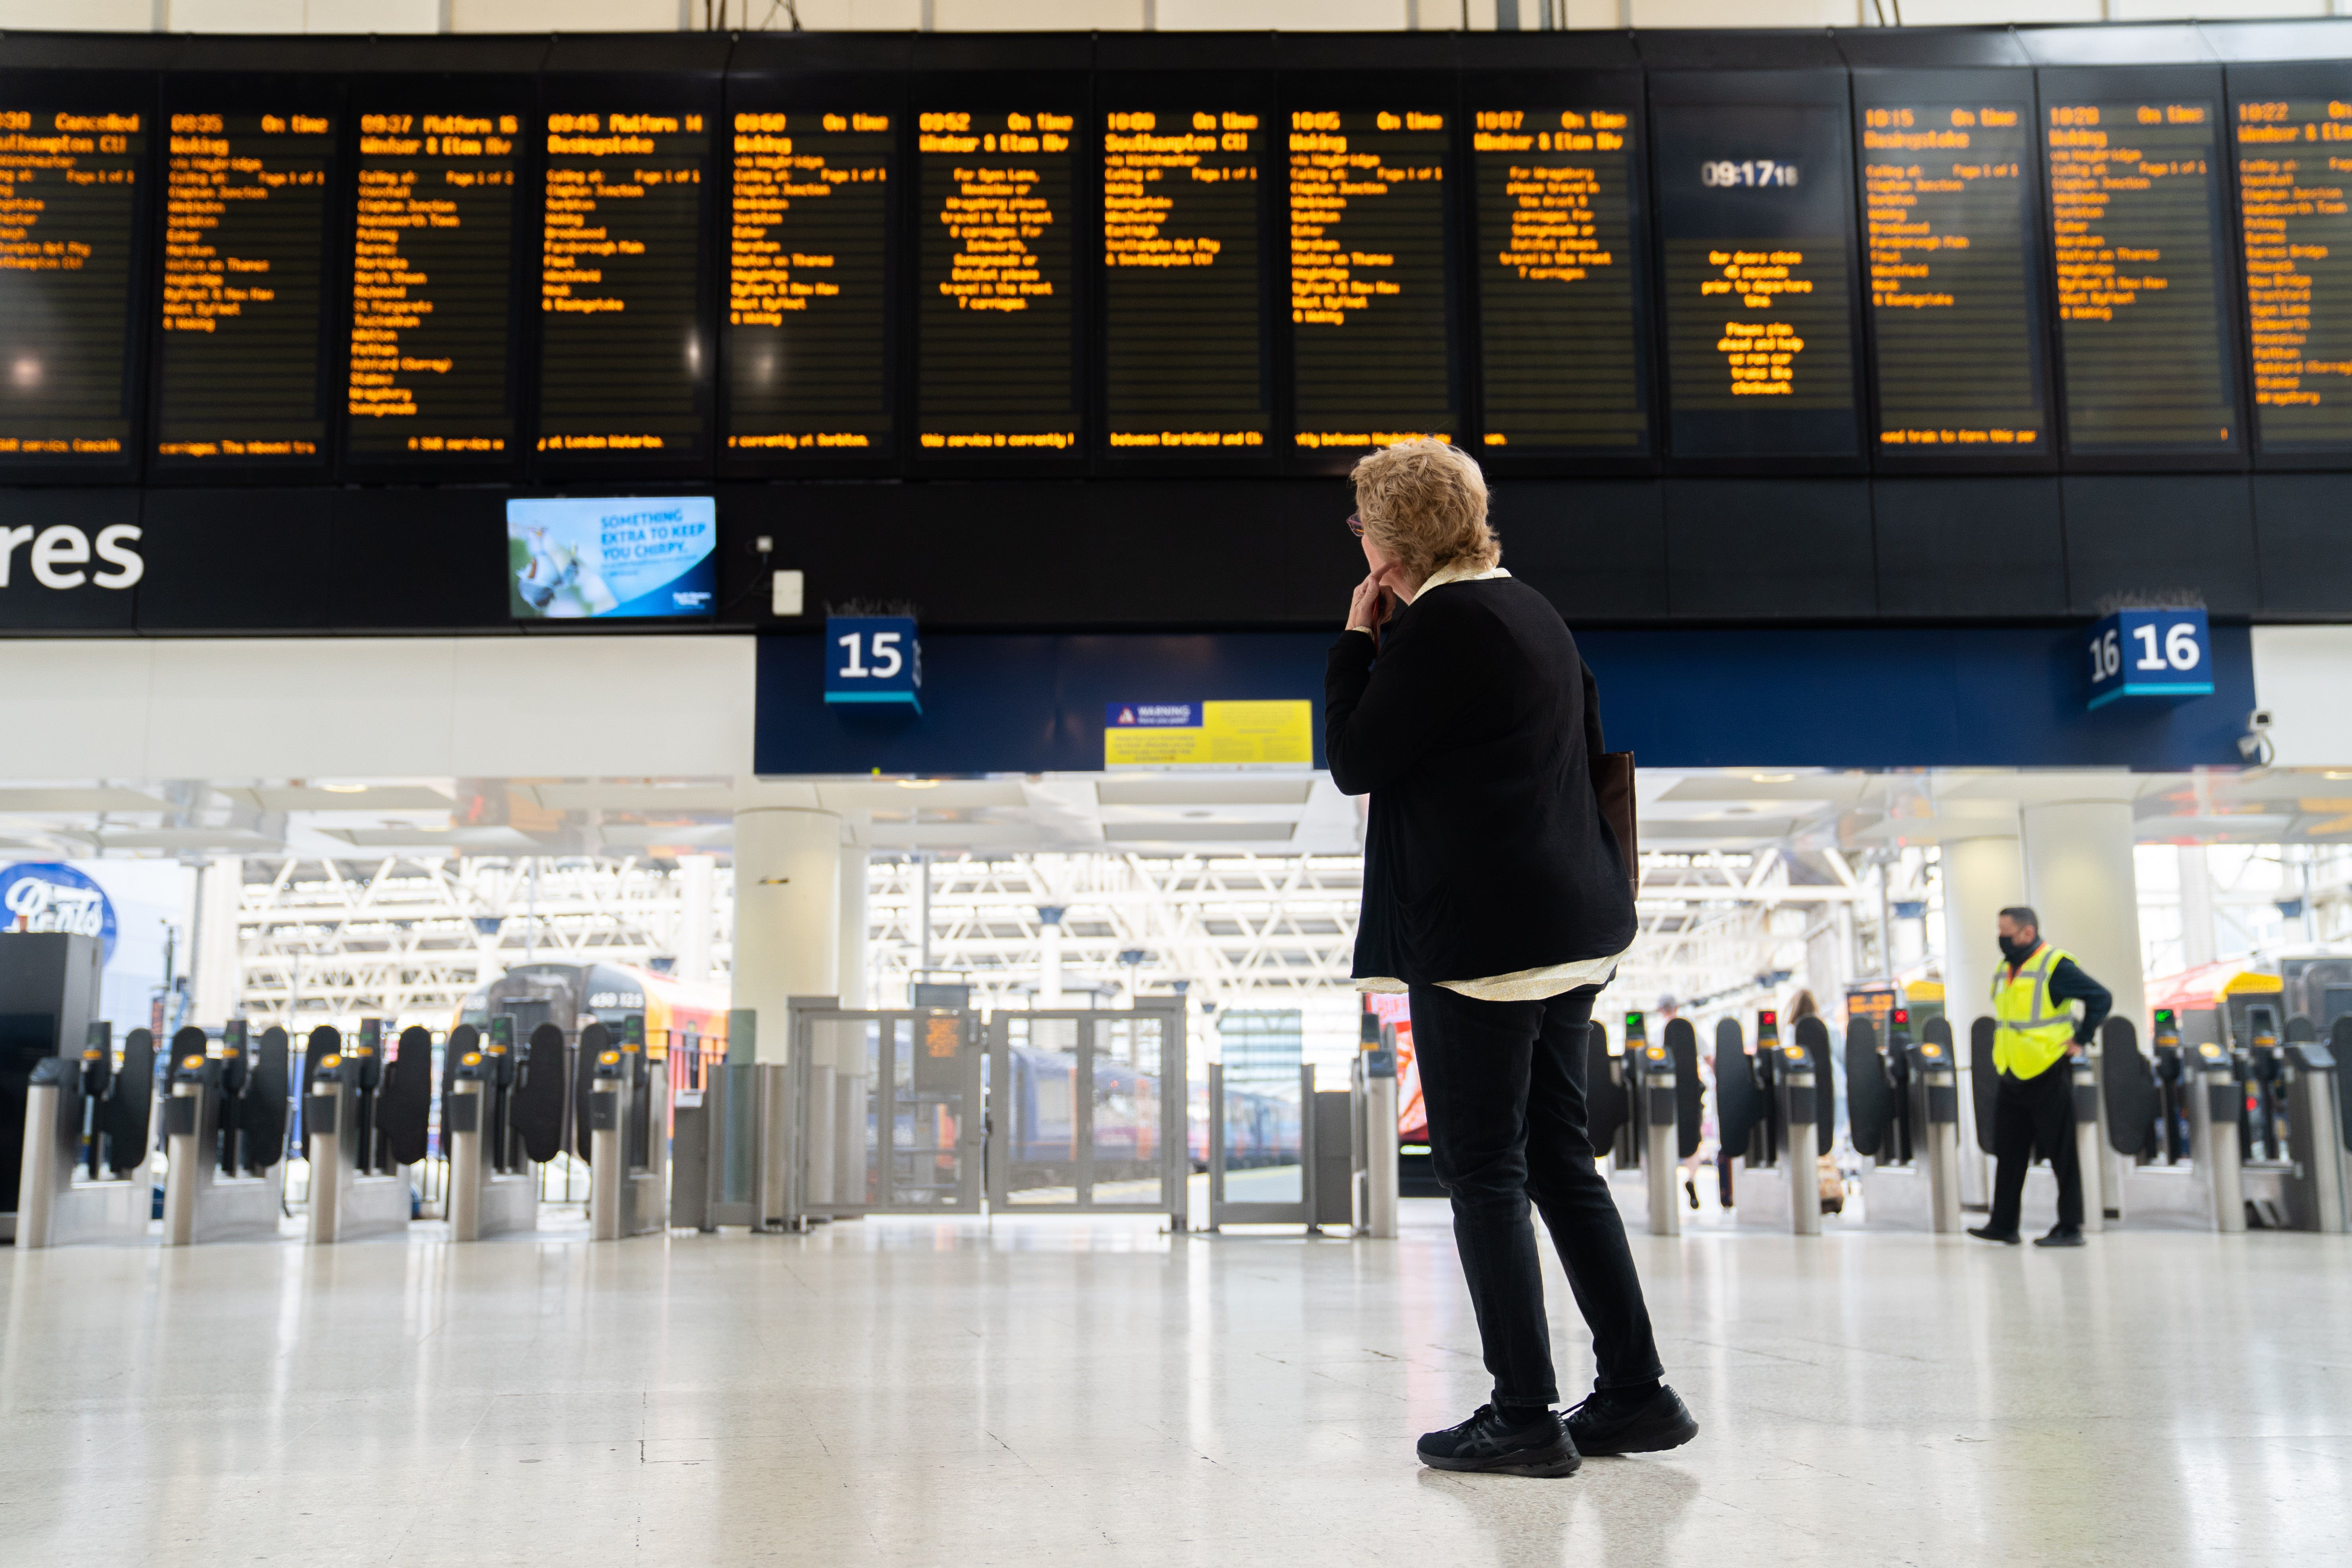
[
  {"x": 1752, "y": 217},
  {"x": 1948, "y": 209},
  {"x": 432, "y": 284},
  {"x": 1185, "y": 335},
  {"x": 2136, "y": 210},
  {"x": 244, "y": 215},
  {"x": 2295, "y": 162},
  {"x": 807, "y": 314},
  {"x": 1372, "y": 353},
  {"x": 68, "y": 204},
  {"x": 996, "y": 279},
  {"x": 1560, "y": 324},
  {"x": 623, "y": 364}
]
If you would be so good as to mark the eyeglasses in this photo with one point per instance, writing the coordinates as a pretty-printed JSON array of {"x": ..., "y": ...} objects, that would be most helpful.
[{"x": 1355, "y": 525}]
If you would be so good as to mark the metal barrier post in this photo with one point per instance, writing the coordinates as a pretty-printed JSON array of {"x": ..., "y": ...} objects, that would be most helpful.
[
  {"x": 1376, "y": 1138},
  {"x": 2214, "y": 1127},
  {"x": 1800, "y": 1109},
  {"x": 2090, "y": 1144},
  {"x": 47, "y": 1162},
  {"x": 1939, "y": 1093},
  {"x": 1655, "y": 1084},
  {"x": 464, "y": 1136},
  {"x": 608, "y": 1160}
]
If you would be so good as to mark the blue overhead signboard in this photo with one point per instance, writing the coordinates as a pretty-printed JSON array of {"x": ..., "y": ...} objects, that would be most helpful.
[
  {"x": 873, "y": 658},
  {"x": 2150, "y": 653}
]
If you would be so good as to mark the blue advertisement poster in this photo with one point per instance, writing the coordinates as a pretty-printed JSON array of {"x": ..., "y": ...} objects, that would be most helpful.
[{"x": 611, "y": 559}]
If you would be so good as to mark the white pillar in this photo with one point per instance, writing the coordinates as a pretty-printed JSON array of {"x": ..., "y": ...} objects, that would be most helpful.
[
  {"x": 696, "y": 875},
  {"x": 2078, "y": 866},
  {"x": 2199, "y": 942},
  {"x": 850, "y": 985},
  {"x": 1983, "y": 874},
  {"x": 787, "y": 915},
  {"x": 216, "y": 970}
]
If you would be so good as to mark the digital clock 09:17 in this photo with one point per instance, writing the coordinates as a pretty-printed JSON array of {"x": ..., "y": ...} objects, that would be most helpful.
[{"x": 1723, "y": 172}]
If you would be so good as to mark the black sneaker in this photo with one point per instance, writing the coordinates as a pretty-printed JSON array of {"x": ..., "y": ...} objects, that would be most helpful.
[
  {"x": 1690, "y": 1191},
  {"x": 1646, "y": 1424},
  {"x": 2062, "y": 1236},
  {"x": 1987, "y": 1233},
  {"x": 1484, "y": 1443}
]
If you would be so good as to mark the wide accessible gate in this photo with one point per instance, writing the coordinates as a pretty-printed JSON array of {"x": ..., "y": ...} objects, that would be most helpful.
[
  {"x": 888, "y": 1112},
  {"x": 1089, "y": 1112}
]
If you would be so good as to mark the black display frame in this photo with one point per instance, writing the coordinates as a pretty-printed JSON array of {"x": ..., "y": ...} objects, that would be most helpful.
[
  {"x": 278, "y": 72},
  {"x": 2269, "y": 80},
  {"x": 637, "y": 75},
  {"x": 65, "y": 88},
  {"x": 767, "y": 73},
  {"x": 1183, "y": 73},
  {"x": 1341, "y": 83},
  {"x": 1775, "y": 70},
  {"x": 1580, "y": 67},
  {"x": 389, "y": 82},
  {"x": 2061, "y": 84},
  {"x": 1000, "y": 73}
]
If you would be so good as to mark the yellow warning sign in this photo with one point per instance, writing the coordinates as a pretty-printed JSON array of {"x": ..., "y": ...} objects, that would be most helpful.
[{"x": 1209, "y": 734}]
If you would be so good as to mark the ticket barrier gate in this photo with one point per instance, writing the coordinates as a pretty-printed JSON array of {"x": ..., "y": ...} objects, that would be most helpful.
[
  {"x": 1770, "y": 1106},
  {"x": 364, "y": 1121},
  {"x": 2177, "y": 1118},
  {"x": 84, "y": 1174},
  {"x": 1643, "y": 1109},
  {"x": 225, "y": 1137},
  {"x": 718, "y": 1139},
  {"x": 501, "y": 1117},
  {"x": 627, "y": 1132},
  {"x": 1372, "y": 1142},
  {"x": 1903, "y": 1110},
  {"x": 2181, "y": 1118}
]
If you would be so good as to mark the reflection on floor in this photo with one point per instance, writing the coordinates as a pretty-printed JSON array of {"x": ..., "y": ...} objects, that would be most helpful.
[{"x": 1050, "y": 1391}]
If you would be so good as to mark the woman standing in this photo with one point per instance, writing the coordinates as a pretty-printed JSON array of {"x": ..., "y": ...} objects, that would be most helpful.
[{"x": 1498, "y": 897}]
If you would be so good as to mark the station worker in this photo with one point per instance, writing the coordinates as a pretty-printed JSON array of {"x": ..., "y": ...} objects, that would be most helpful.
[
  {"x": 2032, "y": 996},
  {"x": 1497, "y": 896}
]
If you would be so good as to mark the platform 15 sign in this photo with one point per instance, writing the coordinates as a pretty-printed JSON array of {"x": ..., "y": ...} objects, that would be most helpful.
[
  {"x": 873, "y": 658},
  {"x": 2150, "y": 653}
]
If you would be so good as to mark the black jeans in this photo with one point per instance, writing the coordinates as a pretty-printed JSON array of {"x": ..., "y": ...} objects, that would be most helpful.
[
  {"x": 1503, "y": 1086},
  {"x": 2032, "y": 1113}
]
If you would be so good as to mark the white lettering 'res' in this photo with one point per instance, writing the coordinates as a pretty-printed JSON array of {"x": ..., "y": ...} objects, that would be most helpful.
[
  {"x": 61, "y": 545},
  {"x": 129, "y": 565}
]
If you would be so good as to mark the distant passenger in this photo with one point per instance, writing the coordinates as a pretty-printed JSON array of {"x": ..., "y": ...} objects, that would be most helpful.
[
  {"x": 1498, "y": 897},
  {"x": 2034, "y": 1108}
]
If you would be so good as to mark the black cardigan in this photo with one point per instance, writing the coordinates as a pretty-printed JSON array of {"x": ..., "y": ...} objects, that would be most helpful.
[{"x": 1486, "y": 853}]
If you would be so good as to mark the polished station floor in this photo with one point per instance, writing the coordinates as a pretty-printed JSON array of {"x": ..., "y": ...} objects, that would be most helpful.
[{"x": 1046, "y": 1392}]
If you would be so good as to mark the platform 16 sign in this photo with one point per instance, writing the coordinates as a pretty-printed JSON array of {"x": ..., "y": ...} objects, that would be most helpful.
[
  {"x": 2150, "y": 653},
  {"x": 873, "y": 658}
]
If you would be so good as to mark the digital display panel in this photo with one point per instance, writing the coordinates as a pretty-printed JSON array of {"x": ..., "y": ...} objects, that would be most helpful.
[
  {"x": 1752, "y": 218},
  {"x": 245, "y": 246},
  {"x": 1560, "y": 324},
  {"x": 617, "y": 558},
  {"x": 68, "y": 209},
  {"x": 996, "y": 279},
  {"x": 623, "y": 364},
  {"x": 1372, "y": 353},
  {"x": 808, "y": 339},
  {"x": 2294, "y": 164},
  {"x": 2135, "y": 213},
  {"x": 1947, "y": 211},
  {"x": 432, "y": 286},
  {"x": 1184, "y": 342}
]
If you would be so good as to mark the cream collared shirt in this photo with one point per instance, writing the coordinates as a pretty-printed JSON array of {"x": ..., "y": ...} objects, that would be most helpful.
[{"x": 1523, "y": 985}]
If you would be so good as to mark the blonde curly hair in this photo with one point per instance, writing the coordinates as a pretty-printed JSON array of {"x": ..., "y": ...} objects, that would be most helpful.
[{"x": 1423, "y": 504}]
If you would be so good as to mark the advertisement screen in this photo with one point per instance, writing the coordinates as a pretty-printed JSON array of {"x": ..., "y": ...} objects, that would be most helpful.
[{"x": 620, "y": 557}]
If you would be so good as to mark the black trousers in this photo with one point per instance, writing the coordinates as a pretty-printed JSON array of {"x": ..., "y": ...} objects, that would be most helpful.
[
  {"x": 2034, "y": 1114},
  {"x": 1503, "y": 1086}
]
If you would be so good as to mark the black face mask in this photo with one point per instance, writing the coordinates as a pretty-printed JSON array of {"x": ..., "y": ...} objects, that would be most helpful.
[{"x": 2017, "y": 952}]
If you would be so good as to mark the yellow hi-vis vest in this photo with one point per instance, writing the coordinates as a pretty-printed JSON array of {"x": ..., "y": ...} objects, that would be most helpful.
[{"x": 2035, "y": 1027}]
